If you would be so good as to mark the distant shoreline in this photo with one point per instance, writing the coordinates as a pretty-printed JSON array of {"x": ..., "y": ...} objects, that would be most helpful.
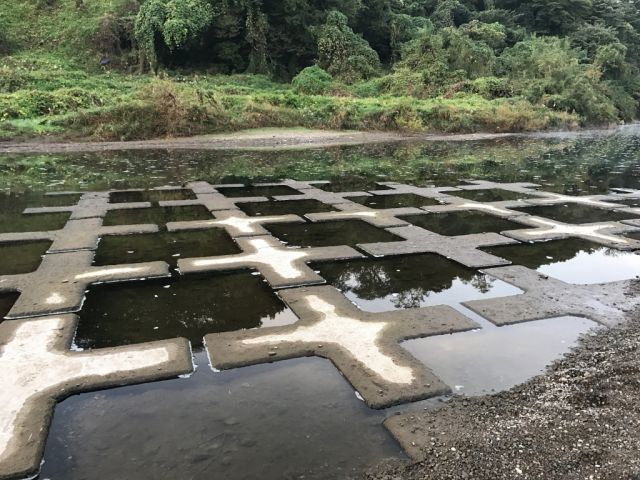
[{"x": 279, "y": 139}]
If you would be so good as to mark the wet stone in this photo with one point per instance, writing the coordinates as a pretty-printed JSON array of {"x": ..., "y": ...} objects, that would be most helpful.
[
  {"x": 153, "y": 196},
  {"x": 574, "y": 213},
  {"x": 257, "y": 191},
  {"x": 573, "y": 260},
  {"x": 630, "y": 202},
  {"x": 156, "y": 215},
  {"x": 165, "y": 246},
  {"x": 461, "y": 223},
  {"x": 350, "y": 184},
  {"x": 6, "y": 302},
  {"x": 21, "y": 257},
  {"x": 411, "y": 281},
  {"x": 323, "y": 234},
  {"x": 189, "y": 307},
  {"x": 395, "y": 201},
  {"x": 492, "y": 195},
  {"x": 284, "y": 207}
]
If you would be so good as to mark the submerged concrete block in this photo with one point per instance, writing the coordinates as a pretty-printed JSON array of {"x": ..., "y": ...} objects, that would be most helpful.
[
  {"x": 463, "y": 249},
  {"x": 546, "y": 297},
  {"x": 608, "y": 234},
  {"x": 59, "y": 283},
  {"x": 363, "y": 346},
  {"x": 235, "y": 222},
  {"x": 38, "y": 369},
  {"x": 381, "y": 218},
  {"x": 281, "y": 266},
  {"x": 83, "y": 234}
]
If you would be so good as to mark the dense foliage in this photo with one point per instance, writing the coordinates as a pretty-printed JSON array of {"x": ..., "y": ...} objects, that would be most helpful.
[{"x": 572, "y": 60}]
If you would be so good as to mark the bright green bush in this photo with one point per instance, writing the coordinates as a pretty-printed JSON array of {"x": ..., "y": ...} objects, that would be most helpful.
[{"x": 312, "y": 81}]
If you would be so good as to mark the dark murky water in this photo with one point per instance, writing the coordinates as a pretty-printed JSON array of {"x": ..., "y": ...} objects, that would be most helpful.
[
  {"x": 395, "y": 201},
  {"x": 190, "y": 307},
  {"x": 284, "y": 207},
  {"x": 491, "y": 195},
  {"x": 462, "y": 223},
  {"x": 166, "y": 246},
  {"x": 297, "y": 418},
  {"x": 21, "y": 257},
  {"x": 324, "y": 234},
  {"x": 572, "y": 213}
]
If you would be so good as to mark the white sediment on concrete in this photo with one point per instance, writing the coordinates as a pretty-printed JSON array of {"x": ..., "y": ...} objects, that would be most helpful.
[
  {"x": 38, "y": 367},
  {"x": 358, "y": 338},
  {"x": 281, "y": 260}
]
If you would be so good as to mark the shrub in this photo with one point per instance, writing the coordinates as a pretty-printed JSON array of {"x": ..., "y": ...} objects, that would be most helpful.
[{"x": 312, "y": 81}]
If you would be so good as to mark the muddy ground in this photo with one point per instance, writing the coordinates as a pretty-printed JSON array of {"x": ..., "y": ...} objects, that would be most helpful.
[
  {"x": 265, "y": 139},
  {"x": 581, "y": 420}
]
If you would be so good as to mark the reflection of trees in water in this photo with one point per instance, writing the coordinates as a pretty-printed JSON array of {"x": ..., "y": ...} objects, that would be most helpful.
[{"x": 409, "y": 281}]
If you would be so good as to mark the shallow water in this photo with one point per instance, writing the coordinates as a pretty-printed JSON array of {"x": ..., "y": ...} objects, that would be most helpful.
[{"x": 297, "y": 418}]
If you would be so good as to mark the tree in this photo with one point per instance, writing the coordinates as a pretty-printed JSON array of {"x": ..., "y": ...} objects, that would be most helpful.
[
  {"x": 342, "y": 53},
  {"x": 174, "y": 22}
]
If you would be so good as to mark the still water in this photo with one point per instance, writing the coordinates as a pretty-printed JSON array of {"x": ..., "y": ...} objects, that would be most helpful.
[{"x": 297, "y": 418}]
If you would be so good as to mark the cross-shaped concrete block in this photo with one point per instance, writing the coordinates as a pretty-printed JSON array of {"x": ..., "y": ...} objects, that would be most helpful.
[
  {"x": 329, "y": 198},
  {"x": 59, "y": 283},
  {"x": 90, "y": 205},
  {"x": 209, "y": 197},
  {"x": 381, "y": 218},
  {"x": 363, "y": 346},
  {"x": 605, "y": 233},
  {"x": 395, "y": 188},
  {"x": 81, "y": 234},
  {"x": 39, "y": 369},
  {"x": 235, "y": 222},
  {"x": 546, "y": 297},
  {"x": 463, "y": 249},
  {"x": 281, "y": 266},
  {"x": 525, "y": 188}
]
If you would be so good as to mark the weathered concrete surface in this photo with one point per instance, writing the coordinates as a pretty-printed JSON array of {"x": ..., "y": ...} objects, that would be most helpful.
[
  {"x": 363, "y": 346},
  {"x": 281, "y": 266},
  {"x": 90, "y": 205},
  {"x": 462, "y": 249},
  {"x": 81, "y": 234},
  {"x": 608, "y": 233},
  {"x": 38, "y": 369},
  {"x": 59, "y": 283},
  {"x": 395, "y": 188},
  {"x": 526, "y": 188},
  {"x": 546, "y": 297},
  {"x": 550, "y": 198},
  {"x": 457, "y": 204},
  {"x": 329, "y": 198},
  {"x": 381, "y": 218},
  {"x": 235, "y": 222},
  {"x": 209, "y": 197}
]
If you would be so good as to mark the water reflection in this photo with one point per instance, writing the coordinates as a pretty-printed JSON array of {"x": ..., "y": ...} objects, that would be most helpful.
[
  {"x": 21, "y": 257},
  {"x": 285, "y": 207},
  {"x": 462, "y": 223},
  {"x": 412, "y": 281},
  {"x": 191, "y": 307},
  {"x": 494, "y": 359},
  {"x": 573, "y": 260},
  {"x": 325, "y": 234},
  {"x": 575, "y": 213},
  {"x": 491, "y": 195},
  {"x": 165, "y": 246},
  {"x": 395, "y": 201},
  {"x": 156, "y": 215}
]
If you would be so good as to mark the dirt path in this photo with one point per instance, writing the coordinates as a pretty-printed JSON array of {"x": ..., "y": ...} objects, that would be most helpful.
[
  {"x": 260, "y": 139},
  {"x": 268, "y": 139}
]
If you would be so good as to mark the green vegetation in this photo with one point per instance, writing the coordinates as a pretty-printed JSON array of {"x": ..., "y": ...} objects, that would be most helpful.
[{"x": 125, "y": 69}]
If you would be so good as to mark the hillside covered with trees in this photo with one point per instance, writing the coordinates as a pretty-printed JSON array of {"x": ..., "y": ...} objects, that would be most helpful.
[{"x": 123, "y": 69}]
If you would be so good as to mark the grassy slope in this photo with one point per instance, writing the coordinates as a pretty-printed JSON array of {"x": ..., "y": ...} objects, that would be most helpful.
[{"x": 51, "y": 85}]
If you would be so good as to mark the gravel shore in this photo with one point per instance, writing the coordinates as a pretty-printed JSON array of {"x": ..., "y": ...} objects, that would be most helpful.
[{"x": 580, "y": 420}]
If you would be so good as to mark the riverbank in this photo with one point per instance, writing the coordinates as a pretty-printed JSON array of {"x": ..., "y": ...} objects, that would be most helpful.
[
  {"x": 276, "y": 139},
  {"x": 579, "y": 420}
]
